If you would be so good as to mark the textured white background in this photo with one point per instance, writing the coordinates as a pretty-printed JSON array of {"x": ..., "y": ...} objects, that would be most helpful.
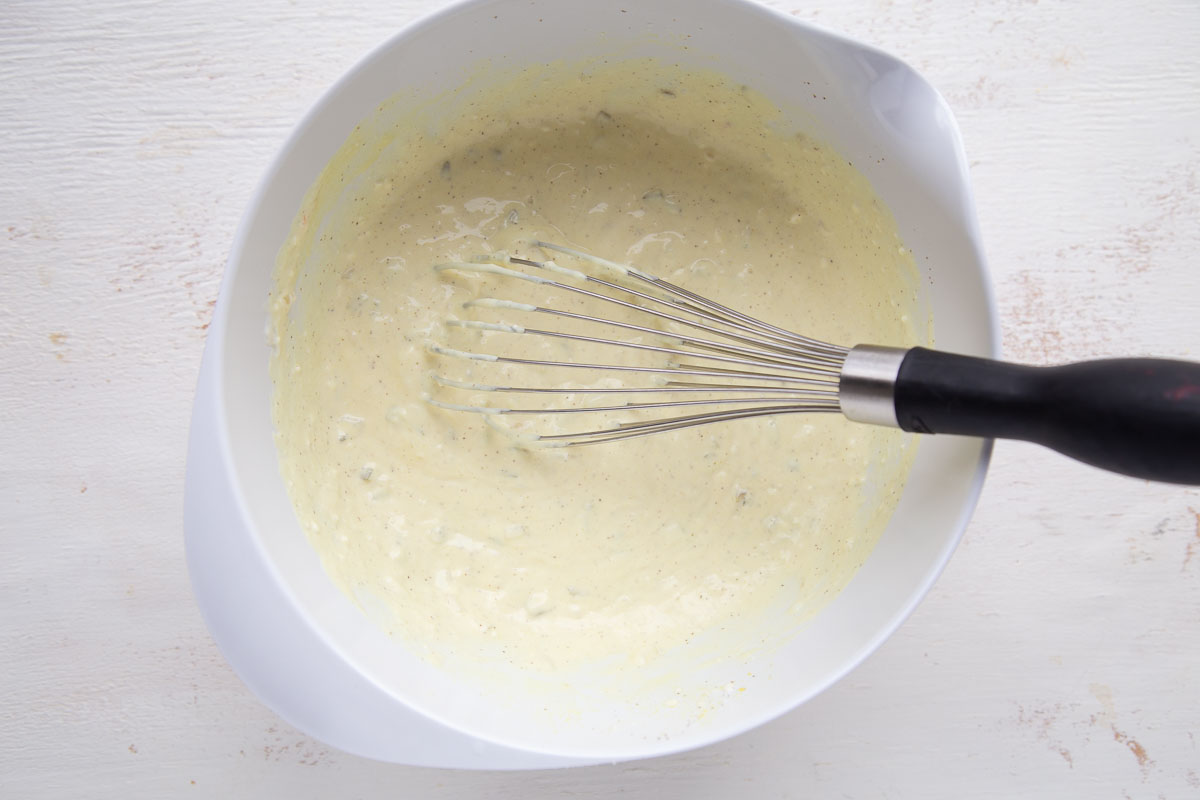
[{"x": 1059, "y": 656}]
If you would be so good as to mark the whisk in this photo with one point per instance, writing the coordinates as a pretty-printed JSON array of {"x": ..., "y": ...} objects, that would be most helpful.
[{"x": 1136, "y": 416}]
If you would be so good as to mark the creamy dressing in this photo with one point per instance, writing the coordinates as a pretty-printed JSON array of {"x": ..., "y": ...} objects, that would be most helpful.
[{"x": 471, "y": 549}]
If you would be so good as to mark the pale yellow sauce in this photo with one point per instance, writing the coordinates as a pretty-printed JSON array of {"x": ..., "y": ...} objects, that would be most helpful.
[{"x": 473, "y": 550}]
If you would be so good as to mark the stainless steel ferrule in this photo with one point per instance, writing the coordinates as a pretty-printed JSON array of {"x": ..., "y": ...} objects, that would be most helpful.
[{"x": 866, "y": 390}]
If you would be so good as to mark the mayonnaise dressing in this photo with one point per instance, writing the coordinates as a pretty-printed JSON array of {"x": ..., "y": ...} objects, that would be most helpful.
[{"x": 473, "y": 550}]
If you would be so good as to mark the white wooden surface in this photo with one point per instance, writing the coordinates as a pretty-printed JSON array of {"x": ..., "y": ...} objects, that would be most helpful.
[{"x": 1059, "y": 656}]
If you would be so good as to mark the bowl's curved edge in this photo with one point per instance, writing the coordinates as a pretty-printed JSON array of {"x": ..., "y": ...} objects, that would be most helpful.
[
  {"x": 969, "y": 221},
  {"x": 202, "y": 503},
  {"x": 215, "y": 527}
]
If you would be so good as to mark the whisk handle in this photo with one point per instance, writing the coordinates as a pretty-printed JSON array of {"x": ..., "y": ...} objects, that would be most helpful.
[{"x": 1135, "y": 416}]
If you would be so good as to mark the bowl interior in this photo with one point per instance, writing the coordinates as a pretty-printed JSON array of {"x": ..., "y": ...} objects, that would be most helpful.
[{"x": 885, "y": 118}]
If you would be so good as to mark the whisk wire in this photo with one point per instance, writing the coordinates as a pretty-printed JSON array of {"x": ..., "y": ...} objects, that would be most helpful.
[
  {"x": 715, "y": 307},
  {"x": 633, "y": 430},
  {"x": 782, "y": 343},
  {"x": 707, "y": 344},
  {"x": 680, "y": 369},
  {"x": 746, "y": 367}
]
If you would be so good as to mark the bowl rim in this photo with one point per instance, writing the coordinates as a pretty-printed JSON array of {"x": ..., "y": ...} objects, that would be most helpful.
[{"x": 219, "y": 341}]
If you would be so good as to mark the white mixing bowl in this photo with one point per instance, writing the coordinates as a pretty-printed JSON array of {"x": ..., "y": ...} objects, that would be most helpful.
[{"x": 311, "y": 655}]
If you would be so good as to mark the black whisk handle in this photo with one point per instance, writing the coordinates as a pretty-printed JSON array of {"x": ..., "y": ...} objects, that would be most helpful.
[{"x": 1135, "y": 416}]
